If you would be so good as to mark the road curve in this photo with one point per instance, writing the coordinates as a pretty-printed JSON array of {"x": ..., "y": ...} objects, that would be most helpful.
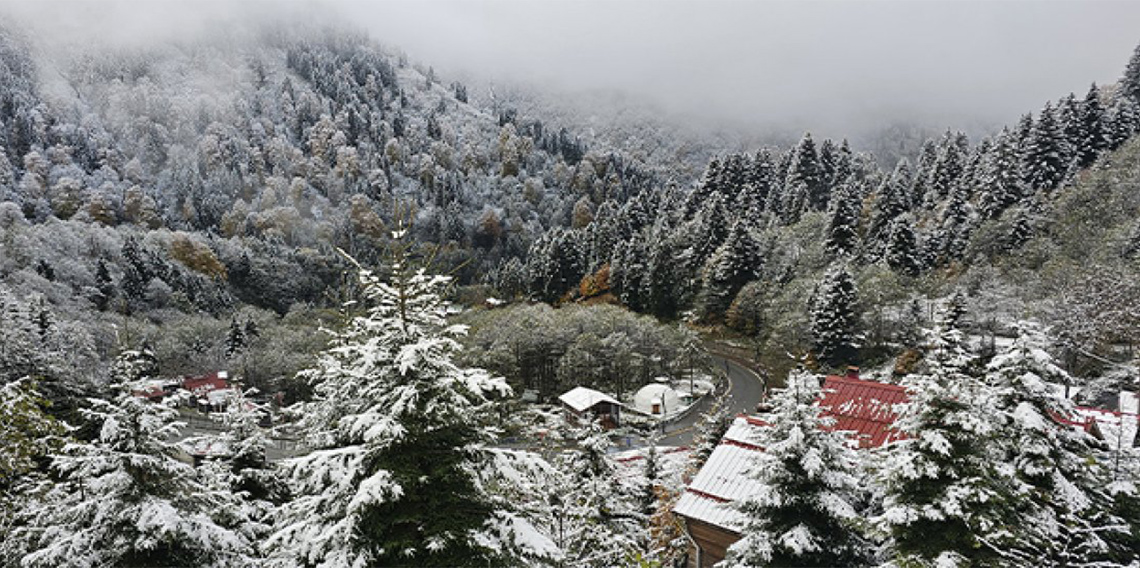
[{"x": 746, "y": 389}]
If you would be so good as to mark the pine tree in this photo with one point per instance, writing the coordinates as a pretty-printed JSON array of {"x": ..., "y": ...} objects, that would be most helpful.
[
  {"x": 803, "y": 513},
  {"x": 999, "y": 183},
  {"x": 921, "y": 177},
  {"x": 842, "y": 227},
  {"x": 834, "y": 318},
  {"x": 665, "y": 281},
  {"x": 735, "y": 263},
  {"x": 708, "y": 230},
  {"x": 955, "y": 225},
  {"x": 104, "y": 287},
  {"x": 803, "y": 184},
  {"x": 235, "y": 338},
  {"x": 946, "y": 172},
  {"x": 398, "y": 473},
  {"x": 597, "y": 513},
  {"x": 1064, "y": 487},
  {"x": 628, "y": 272},
  {"x": 152, "y": 508},
  {"x": 1093, "y": 126},
  {"x": 1124, "y": 120},
  {"x": 1069, "y": 113},
  {"x": 754, "y": 199},
  {"x": 28, "y": 435},
  {"x": 709, "y": 186},
  {"x": 1130, "y": 83},
  {"x": 556, "y": 264},
  {"x": 944, "y": 494},
  {"x": 893, "y": 199},
  {"x": 902, "y": 249},
  {"x": 1044, "y": 163},
  {"x": 243, "y": 466}
]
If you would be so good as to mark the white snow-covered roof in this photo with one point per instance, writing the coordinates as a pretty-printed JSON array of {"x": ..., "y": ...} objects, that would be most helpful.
[
  {"x": 723, "y": 479},
  {"x": 656, "y": 393},
  {"x": 581, "y": 398}
]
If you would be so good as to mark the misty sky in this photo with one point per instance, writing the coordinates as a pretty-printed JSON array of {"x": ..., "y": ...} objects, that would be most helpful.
[
  {"x": 826, "y": 66},
  {"x": 815, "y": 64}
]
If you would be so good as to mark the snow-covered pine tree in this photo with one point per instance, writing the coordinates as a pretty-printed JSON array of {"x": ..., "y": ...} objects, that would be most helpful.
[
  {"x": 597, "y": 517},
  {"x": 1064, "y": 488},
  {"x": 151, "y": 508},
  {"x": 708, "y": 186},
  {"x": 735, "y": 263},
  {"x": 999, "y": 180},
  {"x": 893, "y": 200},
  {"x": 1069, "y": 114},
  {"x": 235, "y": 338},
  {"x": 902, "y": 253},
  {"x": 842, "y": 227},
  {"x": 804, "y": 512},
  {"x": 955, "y": 225},
  {"x": 399, "y": 472},
  {"x": 921, "y": 178},
  {"x": 628, "y": 273},
  {"x": 556, "y": 263},
  {"x": 1125, "y": 120},
  {"x": 708, "y": 229},
  {"x": 1094, "y": 128},
  {"x": 243, "y": 466},
  {"x": 1130, "y": 83},
  {"x": 665, "y": 282},
  {"x": 946, "y": 171},
  {"x": 834, "y": 318},
  {"x": 104, "y": 287},
  {"x": 944, "y": 494},
  {"x": 753, "y": 199},
  {"x": 28, "y": 435},
  {"x": 802, "y": 182},
  {"x": 1044, "y": 164}
]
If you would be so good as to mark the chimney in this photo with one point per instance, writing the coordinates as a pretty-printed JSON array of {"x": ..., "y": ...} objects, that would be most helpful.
[{"x": 852, "y": 372}]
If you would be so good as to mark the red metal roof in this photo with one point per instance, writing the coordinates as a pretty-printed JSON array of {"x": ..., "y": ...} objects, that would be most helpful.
[
  {"x": 206, "y": 384},
  {"x": 865, "y": 408}
]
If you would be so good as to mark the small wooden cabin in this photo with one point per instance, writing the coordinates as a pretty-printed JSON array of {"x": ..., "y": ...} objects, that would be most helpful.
[{"x": 581, "y": 405}]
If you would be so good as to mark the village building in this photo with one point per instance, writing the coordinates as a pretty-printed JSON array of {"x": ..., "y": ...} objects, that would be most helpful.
[
  {"x": 582, "y": 405},
  {"x": 207, "y": 393},
  {"x": 656, "y": 399},
  {"x": 863, "y": 408}
]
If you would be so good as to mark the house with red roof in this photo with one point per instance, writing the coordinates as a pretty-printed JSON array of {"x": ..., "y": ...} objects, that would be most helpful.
[
  {"x": 208, "y": 392},
  {"x": 863, "y": 408}
]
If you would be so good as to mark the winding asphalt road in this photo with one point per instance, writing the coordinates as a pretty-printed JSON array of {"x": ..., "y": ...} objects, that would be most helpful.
[{"x": 746, "y": 389}]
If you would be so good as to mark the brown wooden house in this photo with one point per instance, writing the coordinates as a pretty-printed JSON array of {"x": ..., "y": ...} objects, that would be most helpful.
[{"x": 582, "y": 404}]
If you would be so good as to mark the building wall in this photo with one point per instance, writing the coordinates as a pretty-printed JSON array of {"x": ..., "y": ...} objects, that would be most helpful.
[{"x": 712, "y": 540}]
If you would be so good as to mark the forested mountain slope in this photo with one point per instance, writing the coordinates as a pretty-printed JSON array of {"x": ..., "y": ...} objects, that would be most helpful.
[
  {"x": 817, "y": 249},
  {"x": 202, "y": 186},
  {"x": 177, "y": 184}
]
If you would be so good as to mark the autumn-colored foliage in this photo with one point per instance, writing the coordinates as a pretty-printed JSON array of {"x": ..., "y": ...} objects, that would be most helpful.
[
  {"x": 596, "y": 283},
  {"x": 196, "y": 256}
]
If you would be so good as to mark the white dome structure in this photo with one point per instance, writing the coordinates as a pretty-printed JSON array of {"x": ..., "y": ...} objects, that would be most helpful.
[{"x": 657, "y": 399}]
